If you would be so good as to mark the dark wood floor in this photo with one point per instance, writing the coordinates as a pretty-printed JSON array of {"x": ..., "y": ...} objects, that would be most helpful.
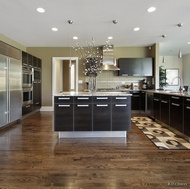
[{"x": 32, "y": 157}]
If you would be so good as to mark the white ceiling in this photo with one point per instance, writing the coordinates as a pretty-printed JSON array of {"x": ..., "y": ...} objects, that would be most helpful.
[{"x": 20, "y": 21}]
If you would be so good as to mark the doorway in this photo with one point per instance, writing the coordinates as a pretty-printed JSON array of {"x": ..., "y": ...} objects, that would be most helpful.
[{"x": 64, "y": 74}]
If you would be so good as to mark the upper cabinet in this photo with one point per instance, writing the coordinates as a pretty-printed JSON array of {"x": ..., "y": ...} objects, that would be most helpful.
[{"x": 136, "y": 66}]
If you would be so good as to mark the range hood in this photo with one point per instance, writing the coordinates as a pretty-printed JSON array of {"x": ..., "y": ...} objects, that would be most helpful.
[{"x": 109, "y": 61}]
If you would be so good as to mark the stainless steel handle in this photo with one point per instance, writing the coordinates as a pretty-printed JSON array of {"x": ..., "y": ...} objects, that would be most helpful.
[
  {"x": 27, "y": 106},
  {"x": 83, "y": 98},
  {"x": 37, "y": 103},
  {"x": 175, "y": 104},
  {"x": 64, "y": 105},
  {"x": 102, "y": 98},
  {"x": 135, "y": 74},
  {"x": 83, "y": 105},
  {"x": 65, "y": 98},
  {"x": 175, "y": 97},
  {"x": 102, "y": 105},
  {"x": 118, "y": 105},
  {"x": 188, "y": 99},
  {"x": 188, "y": 107},
  {"x": 155, "y": 99},
  {"x": 121, "y": 98},
  {"x": 163, "y": 101}
]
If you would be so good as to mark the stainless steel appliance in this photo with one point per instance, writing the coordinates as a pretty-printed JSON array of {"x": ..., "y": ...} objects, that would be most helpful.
[
  {"x": 27, "y": 96},
  {"x": 27, "y": 77},
  {"x": 10, "y": 85}
]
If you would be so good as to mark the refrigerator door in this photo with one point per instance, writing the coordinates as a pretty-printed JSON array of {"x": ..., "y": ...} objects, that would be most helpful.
[
  {"x": 15, "y": 89},
  {"x": 3, "y": 91}
]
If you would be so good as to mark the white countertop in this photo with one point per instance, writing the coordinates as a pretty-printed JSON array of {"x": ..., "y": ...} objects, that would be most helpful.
[{"x": 93, "y": 94}]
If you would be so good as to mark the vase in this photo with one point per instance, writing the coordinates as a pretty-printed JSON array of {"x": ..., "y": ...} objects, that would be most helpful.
[{"x": 92, "y": 83}]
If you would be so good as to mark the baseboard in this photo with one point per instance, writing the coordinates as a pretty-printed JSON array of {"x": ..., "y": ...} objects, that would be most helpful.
[{"x": 46, "y": 108}]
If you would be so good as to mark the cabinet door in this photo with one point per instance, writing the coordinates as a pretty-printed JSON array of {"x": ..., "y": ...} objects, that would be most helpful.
[
  {"x": 63, "y": 117},
  {"x": 36, "y": 95},
  {"x": 187, "y": 120},
  {"x": 149, "y": 105},
  {"x": 135, "y": 101},
  {"x": 135, "y": 67},
  {"x": 176, "y": 113},
  {"x": 142, "y": 101},
  {"x": 147, "y": 67},
  {"x": 156, "y": 106},
  {"x": 165, "y": 109},
  {"x": 125, "y": 66},
  {"x": 121, "y": 113},
  {"x": 83, "y": 117}
]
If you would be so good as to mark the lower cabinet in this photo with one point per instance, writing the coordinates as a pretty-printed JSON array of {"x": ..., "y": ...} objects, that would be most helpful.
[
  {"x": 149, "y": 105},
  {"x": 156, "y": 106},
  {"x": 176, "y": 112},
  {"x": 135, "y": 100},
  {"x": 165, "y": 109},
  {"x": 142, "y": 101},
  {"x": 186, "y": 116},
  {"x": 121, "y": 113},
  {"x": 36, "y": 95}
]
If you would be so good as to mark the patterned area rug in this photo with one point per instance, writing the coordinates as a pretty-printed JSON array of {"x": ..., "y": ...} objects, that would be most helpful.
[{"x": 160, "y": 135}]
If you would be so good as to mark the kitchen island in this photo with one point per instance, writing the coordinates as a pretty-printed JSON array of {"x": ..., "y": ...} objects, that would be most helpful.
[{"x": 98, "y": 114}]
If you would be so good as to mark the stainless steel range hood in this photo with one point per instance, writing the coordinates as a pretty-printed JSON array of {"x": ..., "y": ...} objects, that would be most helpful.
[{"x": 109, "y": 61}]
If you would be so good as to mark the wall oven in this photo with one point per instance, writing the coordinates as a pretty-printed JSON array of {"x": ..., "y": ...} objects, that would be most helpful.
[
  {"x": 37, "y": 75},
  {"x": 27, "y": 96},
  {"x": 27, "y": 77}
]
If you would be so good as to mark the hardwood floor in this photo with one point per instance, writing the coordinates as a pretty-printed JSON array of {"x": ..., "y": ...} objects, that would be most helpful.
[{"x": 32, "y": 157}]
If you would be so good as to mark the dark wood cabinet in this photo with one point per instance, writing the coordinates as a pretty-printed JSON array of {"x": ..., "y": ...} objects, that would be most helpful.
[
  {"x": 165, "y": 108},
  {"x": 83, "y": 113},
  {"x": 63, "y": 114},
  {"x": 156, "y": 106},
  {"x": 102, "y": 113},
  {"x": 36, "y": 95},
  {"x": 176, "y": 112},
  {"x": 121, "y": 113},
  {"x": 136, "y": 66},
  {"x": 149, "y": 105},
  {"x": 135, "y": 100},
  {"x": 186, "y": 116},
  {"x": 142, "y": 101}
]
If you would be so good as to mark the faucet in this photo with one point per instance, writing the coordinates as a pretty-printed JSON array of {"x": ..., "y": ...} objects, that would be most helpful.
[{"x": 181, "y": 88}]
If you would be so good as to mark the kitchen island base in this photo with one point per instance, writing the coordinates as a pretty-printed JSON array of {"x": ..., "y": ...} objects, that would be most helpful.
[{"x": 92, "y": 134}]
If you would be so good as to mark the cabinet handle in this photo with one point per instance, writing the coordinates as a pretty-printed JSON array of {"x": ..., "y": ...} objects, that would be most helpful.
[
  {"x": 125, "y": 74},
  {"x": 147, "y": 74},
  {"x": 102, "y": 105},
  {"x": 60, "y": 98},
  {"x": 175, "y": 104},
  {"x": 135, "y": 74},
  {"x": 102, "y": 98},
  {"x": 27, "y": 106},
  {"x": 37, "y": 103},
  {"x": 120, "y": 105},
  {"x": 175, "y": 97},
  {"x": 83, "y": 105},
  {"x": 163, "y": 101},
  {"x": 188, "y": 107},
  {"x": 155, "y": 99},
  {"x": 83, "y": 98},
  {"x": 188, "y": 99},
  {"x": 120, "y": 98},
  {"x": 64, "y": 105}
]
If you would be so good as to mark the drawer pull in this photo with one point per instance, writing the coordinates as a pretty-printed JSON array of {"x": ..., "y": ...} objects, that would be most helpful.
[
  {"x": 64, "y": 105},
  {"x": 65, "y": 98},
  {"x": 37, "y": 103},
  {"x": 155, "y": 99},
  {"x": 83, "y": 105},
  {"x": 175, "y": 104},
  {"x": 83, "y": 98},
  {"x": 118, "y": 105},
  {"x": 175, "y": 97},
  {"x": 102, "y": 98},
  {"x": 28, "y": 106},
  {"x": 102, "y": 105},
  {"x": 163, "y": 101},
  {"x": 188, "y": 99},
  {"x": 188, "y": 107},
  {"x": 121, "y": 98}
]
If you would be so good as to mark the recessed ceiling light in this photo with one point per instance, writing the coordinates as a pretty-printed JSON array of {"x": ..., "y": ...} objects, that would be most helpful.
[
  {"x": 54, "y": 29},
  {"x": 110, "y": 37},
  {"x": 136, "y": 29},
  {"x": 75, "y": 37},
  {"x": 41, "y": 10},
  {"x": 151, "y": 9},
  {"x": 188, "y": 43}
]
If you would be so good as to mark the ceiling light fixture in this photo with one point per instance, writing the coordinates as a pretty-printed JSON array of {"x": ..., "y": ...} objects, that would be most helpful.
[
  {"x": 41, "y": 10},
  {"x": 110, "y": 37},
  {"x": 180, "y": 54},
  {"x": 151, "y": 9},
  {"x": 70, "y": 21},
  {"x": 164, "y": 36},
  {"x": 136, "y": 29},
  {"x": 188, "y": 43},
  {"x": 180, "y": 25},
  {"x": 114, "y": 21},
  {"x": 54, "y": 29},
  {"x": 75, "y": 37}
]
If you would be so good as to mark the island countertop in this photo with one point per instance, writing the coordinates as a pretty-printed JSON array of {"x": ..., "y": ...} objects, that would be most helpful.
[{"x": 93, "y": 94}]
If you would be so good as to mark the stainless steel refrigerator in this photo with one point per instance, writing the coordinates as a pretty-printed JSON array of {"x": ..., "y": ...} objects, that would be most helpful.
[{"x": 10, "y": 90}]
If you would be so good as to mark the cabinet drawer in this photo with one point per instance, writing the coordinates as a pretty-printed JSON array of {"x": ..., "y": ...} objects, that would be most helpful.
[
  {"x": 102, "y": 99},
  {"x": 63, "y": 99},
  {"x": 156, "y": 96},
  {"x": 187, "y": 101},
  {"x": 121, "y": 99},
  {"x": 82, "y": 99},
  {"x": 176, "y": 99},
  {"x": 165, "y": 97}
]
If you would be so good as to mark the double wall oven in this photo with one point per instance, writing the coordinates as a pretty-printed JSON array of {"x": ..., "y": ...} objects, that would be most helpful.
[{"x": 27, "y": 85}]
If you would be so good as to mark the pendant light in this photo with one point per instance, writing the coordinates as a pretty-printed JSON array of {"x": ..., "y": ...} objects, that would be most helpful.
[
  {"x": 180, "y": 54},
  {"x": 163, "y": 59}
]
